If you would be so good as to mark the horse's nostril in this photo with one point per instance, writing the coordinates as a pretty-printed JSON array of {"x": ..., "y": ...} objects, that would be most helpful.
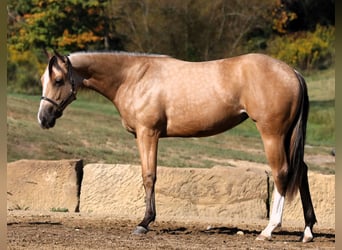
[
  {"x": 46, "y": 120},
  {"x": 58, "y": 114},
  {"x": 43, "y": 122}
]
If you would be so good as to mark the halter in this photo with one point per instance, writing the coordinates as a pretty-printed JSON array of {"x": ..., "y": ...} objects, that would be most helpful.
[{"x": 71, "y": 97}]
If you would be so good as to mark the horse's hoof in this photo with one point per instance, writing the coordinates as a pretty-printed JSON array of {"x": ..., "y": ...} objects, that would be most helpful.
[
  {"x": 306, "y": 239},
  {"x": 263, "y": 237},
  {"x": 140, "y": 230},
  {"x": 307, "y": 236}
]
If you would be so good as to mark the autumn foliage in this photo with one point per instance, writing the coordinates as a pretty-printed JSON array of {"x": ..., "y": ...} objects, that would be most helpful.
[{"x": 298, "y": 32}]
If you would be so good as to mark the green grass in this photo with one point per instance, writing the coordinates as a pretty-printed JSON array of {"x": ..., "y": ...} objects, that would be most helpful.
[
  {"x": 321, "y": 85},
  {"x": 91, "y": 129},
  {"x": 59, "y": 210},
  {"x": 321, "y": 122}
]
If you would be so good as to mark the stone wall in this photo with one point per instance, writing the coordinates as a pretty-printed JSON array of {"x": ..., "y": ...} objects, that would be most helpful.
[
  {"x": 44, "y": 185},
  {"x": 181, "y": 193},
  {"x": 219, "y": 194}
]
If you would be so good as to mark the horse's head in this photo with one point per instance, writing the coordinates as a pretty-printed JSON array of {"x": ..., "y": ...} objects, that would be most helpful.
[{"x": 59, "y": 90}]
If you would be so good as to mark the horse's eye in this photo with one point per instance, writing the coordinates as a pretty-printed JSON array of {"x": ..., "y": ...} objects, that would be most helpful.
[{"x": 59, "y": 81}]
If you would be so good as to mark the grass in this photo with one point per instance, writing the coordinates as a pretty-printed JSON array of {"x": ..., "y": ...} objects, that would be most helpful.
[
  {"x": 59, "y": 210},
  {"x": 19, "y": 207},
  {"x": 321, "y": 124},
  {"x": 321, "y": 85},
  {"x": 91, "y": 129}
]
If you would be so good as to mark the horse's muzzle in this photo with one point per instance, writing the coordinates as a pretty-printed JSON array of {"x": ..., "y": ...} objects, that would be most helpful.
[
  {"x": 48, "y": 119},
  {"x": 46, "y": 123}
]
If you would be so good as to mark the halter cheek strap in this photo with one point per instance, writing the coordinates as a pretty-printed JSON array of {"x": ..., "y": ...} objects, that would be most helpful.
[
  {"x": 50, "y": 101},
  {"x": 62, "y": 105}
]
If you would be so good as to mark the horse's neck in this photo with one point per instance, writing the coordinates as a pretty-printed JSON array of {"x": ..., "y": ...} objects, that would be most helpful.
[{"x": 102, "y": 72}]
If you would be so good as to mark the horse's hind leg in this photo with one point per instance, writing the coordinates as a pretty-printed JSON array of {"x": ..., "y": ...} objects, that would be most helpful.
[
  {"x": 276, "y": 216},
  {"x": 276, "y": 156},
  {"x": 309, "y": 213}
]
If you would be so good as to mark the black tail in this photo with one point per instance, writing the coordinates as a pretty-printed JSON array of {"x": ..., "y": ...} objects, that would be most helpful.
[{"x": 296, "y": 141}]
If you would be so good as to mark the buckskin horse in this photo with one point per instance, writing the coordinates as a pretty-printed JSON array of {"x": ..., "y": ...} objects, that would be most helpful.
[{"x": 159, "y": 96}]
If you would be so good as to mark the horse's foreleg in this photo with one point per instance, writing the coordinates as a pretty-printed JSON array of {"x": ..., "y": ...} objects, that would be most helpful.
[
  {"x": 147, "y": 143},
  {"x": 309, "y": 213}
]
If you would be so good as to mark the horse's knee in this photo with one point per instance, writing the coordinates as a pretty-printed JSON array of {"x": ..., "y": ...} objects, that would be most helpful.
[{"x": 149, "y": 180}]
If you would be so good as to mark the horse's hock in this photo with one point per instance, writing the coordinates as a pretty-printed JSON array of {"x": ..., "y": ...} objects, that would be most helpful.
[{"x": 216, "y": 195}]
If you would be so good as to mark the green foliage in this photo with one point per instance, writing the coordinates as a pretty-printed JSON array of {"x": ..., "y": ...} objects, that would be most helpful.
[
  {"x": 186, "y": 29},
  {"x": 59, "y": 209},
  {"x": 68, "y": 25},
  {"x": 305, "y": 50},
  {"x": 23, "y": 71},
  {"x": 37, "y": 26}
]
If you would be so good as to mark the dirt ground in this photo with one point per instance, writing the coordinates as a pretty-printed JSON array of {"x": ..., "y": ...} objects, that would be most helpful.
[{"x": 28, "y": 230}]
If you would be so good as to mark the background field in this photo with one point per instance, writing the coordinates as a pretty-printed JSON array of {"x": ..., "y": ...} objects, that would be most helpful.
[{"x": 91, "y": 129}]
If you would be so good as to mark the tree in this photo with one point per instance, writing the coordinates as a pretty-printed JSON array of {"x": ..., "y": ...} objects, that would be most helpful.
[
  {"x": 298, "y": 15},
  {"x": 67, "y": 25},
  {"x": 193, "y": 30},
  {"x": 38, "y": 26},
  {"x": 189, "y": 29}
]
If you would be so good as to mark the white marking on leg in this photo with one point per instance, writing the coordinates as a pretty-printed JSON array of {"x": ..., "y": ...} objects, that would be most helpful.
[
  {"x": 308, "y": 236},
  {"x": 276, "y": 216}
]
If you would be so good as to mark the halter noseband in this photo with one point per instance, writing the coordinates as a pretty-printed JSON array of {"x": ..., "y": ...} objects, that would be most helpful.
[{"x": 71, "y": 97}]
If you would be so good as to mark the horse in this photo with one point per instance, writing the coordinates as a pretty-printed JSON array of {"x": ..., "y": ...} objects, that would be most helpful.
[{"x": 160, "y": 96}]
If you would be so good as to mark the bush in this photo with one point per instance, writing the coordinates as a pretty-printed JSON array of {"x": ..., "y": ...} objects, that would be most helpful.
[
  {"x": 23, "y": 72},
  {"x": 305, "y": 50}
]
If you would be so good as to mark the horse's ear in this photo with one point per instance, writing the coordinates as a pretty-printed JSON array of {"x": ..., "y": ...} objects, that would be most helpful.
[
  {"x": 52, "y": 61},
  {"x": 48, "y": 54},
  {"x": 62, "y": 58}
]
